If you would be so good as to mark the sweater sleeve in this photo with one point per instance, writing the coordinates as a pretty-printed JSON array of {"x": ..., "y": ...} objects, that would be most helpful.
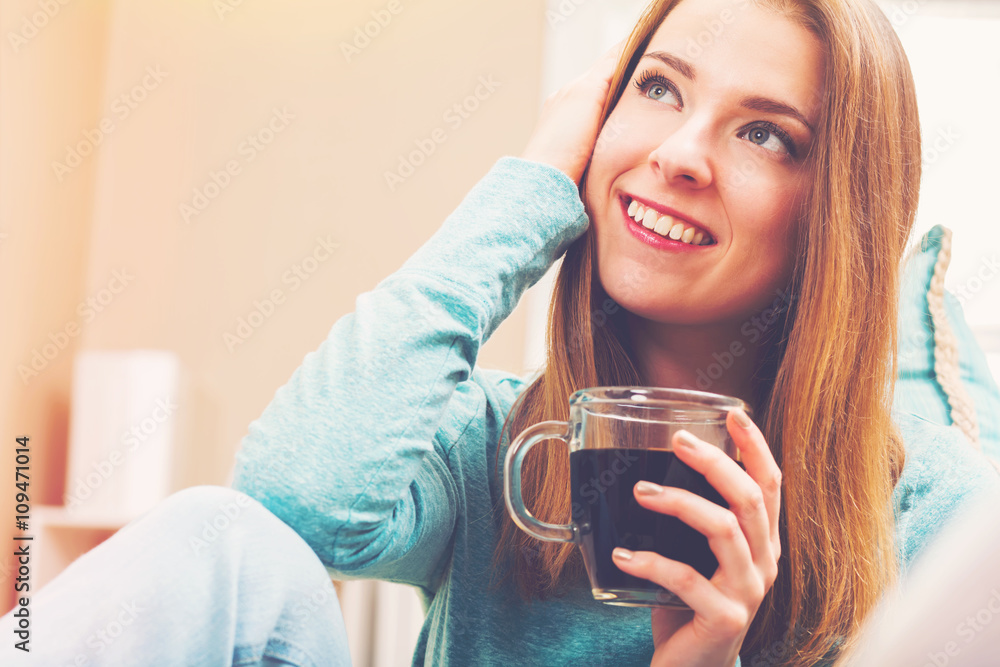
[{"x": 349, "y": 452}]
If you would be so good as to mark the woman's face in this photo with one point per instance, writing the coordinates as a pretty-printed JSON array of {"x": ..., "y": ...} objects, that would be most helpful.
[{"x": 712, "y": 130}]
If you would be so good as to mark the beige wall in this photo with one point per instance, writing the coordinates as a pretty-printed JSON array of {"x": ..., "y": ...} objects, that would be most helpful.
[
  {"x": 322, "y": 176},
  {"x": 50, "y": 87}
]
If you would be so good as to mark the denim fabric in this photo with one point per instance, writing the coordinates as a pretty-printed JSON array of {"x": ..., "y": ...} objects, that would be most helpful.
[{"x": 208, "y": 577}]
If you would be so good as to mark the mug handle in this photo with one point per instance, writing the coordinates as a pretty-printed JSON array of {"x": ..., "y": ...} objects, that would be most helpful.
[{"x": 550, "y": 532}]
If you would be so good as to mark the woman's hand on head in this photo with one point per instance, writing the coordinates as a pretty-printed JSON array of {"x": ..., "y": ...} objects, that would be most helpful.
[
  {"x": 567, "y": 129},
  {"x": 743, "y": 538}
]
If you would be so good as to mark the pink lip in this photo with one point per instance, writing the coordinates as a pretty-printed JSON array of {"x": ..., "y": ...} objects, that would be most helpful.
[{"x": 653, "y": 238}]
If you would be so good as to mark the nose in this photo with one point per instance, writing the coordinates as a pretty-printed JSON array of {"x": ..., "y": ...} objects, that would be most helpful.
[{"x": 684, "y": 156}]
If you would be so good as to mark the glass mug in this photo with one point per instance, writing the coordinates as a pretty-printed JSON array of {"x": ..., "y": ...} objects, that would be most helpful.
[{"x": 616, "y": 437}]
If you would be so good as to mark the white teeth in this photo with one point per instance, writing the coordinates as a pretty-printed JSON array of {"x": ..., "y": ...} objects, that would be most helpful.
[
  {"x": 667, "y": 226},
  {"x": 649, "y": 219}
]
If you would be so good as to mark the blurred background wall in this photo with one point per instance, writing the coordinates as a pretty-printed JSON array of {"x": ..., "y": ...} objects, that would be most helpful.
[{"x": 167, "y": 165}]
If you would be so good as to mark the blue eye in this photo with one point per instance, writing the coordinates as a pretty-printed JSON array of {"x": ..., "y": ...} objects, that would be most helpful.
[
  {"x": 763, "y": 134},
  {"x": 650, "y": 82}
]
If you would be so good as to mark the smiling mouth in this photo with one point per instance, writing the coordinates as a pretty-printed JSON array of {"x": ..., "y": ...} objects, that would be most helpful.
[{"x": 667, "y": 226}]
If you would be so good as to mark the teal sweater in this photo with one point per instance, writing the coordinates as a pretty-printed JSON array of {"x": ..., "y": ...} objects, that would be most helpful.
[{"x": 379, "y": 451}]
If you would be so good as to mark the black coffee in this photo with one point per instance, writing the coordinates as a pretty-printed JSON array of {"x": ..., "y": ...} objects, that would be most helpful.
[{"x": 609, "y": 516}]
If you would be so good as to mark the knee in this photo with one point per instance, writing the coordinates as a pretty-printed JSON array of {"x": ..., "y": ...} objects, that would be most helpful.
[
  {"x": 214, "y": 509},
  {"x": 209, "y": 500},
  {"x": 226, "y": 522},
  {"x": 217, "y": 515}
]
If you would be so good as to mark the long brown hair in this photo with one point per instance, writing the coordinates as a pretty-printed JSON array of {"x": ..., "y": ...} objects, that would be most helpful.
[{"x": 824, "y": 382}]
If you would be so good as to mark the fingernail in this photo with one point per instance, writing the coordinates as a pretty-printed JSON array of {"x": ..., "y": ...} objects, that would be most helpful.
[
  {"x": 686, "y": 439},
  {"x": 622, "y": 554},
  {"x": 742, "y": 419},
  {"x": 644, "y": 488}
]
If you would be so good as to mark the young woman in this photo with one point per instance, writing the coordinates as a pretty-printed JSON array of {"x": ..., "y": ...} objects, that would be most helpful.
[
  {"x": 775, "y": 169},
  {"x": 786, "y": 153}
]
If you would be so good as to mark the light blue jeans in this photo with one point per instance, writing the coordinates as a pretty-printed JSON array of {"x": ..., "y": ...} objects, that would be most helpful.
[{"x": 207, "y": 577}]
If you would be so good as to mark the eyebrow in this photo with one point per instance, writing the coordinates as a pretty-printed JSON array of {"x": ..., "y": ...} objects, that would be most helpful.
[{"x": 754, "y": 102}]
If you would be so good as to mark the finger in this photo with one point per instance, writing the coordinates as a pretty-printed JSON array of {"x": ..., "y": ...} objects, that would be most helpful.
[
  {"x": 744, "y": 497},
  {"x": 719, "y": 525},
  {"x": 680, "y": 579},
  {"x": 760, "y": 465}
]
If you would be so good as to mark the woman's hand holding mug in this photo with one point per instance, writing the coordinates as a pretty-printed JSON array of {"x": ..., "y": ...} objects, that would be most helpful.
[
  {"x": 743, "y": 538},
  {"x": 569, "y": 123},
  {"x": 704, "y": 544}
]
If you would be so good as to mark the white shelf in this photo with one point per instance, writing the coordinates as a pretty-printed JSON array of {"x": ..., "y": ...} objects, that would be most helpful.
[
  {"x": 61, "y": 516},
  {"x": 61, "y": 536}
]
